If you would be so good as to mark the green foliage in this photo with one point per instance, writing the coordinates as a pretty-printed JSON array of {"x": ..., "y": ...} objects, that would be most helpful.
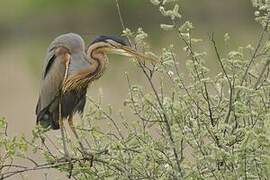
[
  {"x": 183, "y": 126},
  {"x": 10, "y": 148},
  {"x": 263, "y": 12}
]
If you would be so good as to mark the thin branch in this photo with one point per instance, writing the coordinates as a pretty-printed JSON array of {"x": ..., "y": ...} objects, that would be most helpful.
[
  {"x": 107, "y": 116},
  {"x": 228, "y": 80},
  {"x": 255, "y": 53},
  {"x": 261, "y": 74},
  {"x": 120, "y": 15}
]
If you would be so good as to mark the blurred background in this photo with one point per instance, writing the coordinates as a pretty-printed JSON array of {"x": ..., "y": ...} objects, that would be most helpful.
[{"x": 28, "y": 26}]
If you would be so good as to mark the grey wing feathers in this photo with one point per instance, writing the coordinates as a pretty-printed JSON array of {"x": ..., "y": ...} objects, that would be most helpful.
[
  {"x": 48, "y": 61},
  {"x": 51, "y": 83}
]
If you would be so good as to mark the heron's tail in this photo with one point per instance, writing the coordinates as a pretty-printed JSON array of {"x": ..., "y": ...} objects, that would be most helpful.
[{"x": 48, "y": 119}]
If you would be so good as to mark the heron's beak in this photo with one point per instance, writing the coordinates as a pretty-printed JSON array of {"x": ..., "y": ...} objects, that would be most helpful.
[{"x": 129, "y": 52}]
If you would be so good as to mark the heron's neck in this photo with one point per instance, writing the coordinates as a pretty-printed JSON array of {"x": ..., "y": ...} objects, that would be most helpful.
[{"x": 98, "y": 61}]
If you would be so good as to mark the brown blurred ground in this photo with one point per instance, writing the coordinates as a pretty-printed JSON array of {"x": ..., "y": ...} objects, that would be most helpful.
[{"x": 27, "y": 27}]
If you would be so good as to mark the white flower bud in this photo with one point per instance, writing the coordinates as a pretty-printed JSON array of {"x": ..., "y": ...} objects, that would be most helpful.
[{"x": 166, "y": 27}]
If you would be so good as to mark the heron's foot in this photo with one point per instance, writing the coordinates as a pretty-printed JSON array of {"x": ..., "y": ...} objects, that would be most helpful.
[
  {"x": 87, "y": 156},
  {"x": 84, "y": 151},
  {"x": 67, "y": 158}
]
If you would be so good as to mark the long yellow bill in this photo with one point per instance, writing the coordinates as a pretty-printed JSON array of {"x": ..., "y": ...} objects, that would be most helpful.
[{"x": 127, "y": 51}]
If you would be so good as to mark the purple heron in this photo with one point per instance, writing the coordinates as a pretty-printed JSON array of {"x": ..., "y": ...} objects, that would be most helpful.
[{"x": 68, "y": 70}]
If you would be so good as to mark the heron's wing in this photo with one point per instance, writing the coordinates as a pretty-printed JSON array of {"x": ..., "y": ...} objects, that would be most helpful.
[
  {"x": 51, "y": 84},
  {"x": 48, "y": 61}
]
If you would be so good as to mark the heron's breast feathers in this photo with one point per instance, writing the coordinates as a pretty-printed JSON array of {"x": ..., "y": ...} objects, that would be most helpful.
[
  {"x": 81, "y": 80},
  {"x": 75, "y": 82}
]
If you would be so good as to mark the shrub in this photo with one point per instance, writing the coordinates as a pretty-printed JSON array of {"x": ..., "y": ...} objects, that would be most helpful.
[{"x": 184, "y": 126}]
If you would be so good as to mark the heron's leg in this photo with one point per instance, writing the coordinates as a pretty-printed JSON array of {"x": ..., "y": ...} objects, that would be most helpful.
[
  {"x": 73, "y": 129},
  {"x": 67, "y": 156},
  {"x": 61, "y": 119},
  {"x": 61, "y": 124}
]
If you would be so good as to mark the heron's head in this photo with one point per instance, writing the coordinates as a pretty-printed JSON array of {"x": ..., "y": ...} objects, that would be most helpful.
[{"x": 116, "y": 45}]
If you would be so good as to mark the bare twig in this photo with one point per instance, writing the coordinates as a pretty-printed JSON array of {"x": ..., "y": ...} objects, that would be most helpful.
[
  {"x": 255, "y": 53},
  {"x": 228, "y": 80},
  {"x": 261, "y": 74},
  {"x": 107, "y": 116}
]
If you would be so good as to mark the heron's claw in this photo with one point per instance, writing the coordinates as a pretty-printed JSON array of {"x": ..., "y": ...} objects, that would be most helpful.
[
  {"x": 68, "y": 159},
  {"x": 87, "y": 156}
]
